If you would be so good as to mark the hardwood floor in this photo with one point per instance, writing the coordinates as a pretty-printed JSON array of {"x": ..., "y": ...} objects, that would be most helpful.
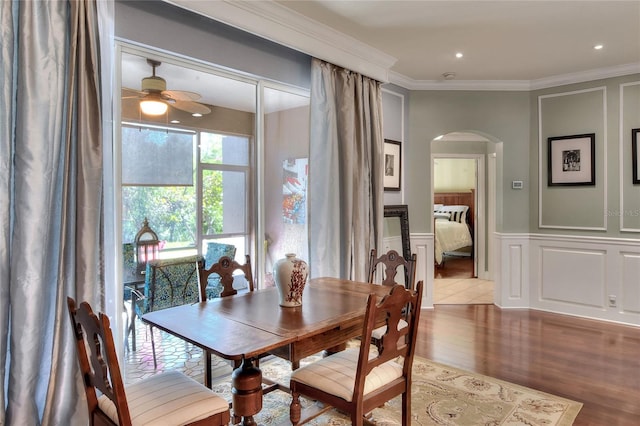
[
  {"x": 454, "y": 283},
  {"x": 455, "y": 267},
  {"x": 593, "y": 362}
]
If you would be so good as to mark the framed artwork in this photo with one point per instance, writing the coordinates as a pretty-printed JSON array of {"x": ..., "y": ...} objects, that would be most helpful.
[
  {"x": 392, "y": 165},
  {"x": 572, "y": 160},
  {"x": 635, "y": 152},
  {"x": 294, "y": 190}
]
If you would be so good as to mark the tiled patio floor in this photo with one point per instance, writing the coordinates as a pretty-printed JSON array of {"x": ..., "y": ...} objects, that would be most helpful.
[{"x": 172, "y": 353}]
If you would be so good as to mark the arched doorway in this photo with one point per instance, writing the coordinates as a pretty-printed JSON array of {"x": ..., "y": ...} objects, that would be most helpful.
[{"x": 464, "y": 174}]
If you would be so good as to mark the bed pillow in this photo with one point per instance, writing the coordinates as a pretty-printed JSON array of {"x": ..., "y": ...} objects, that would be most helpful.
[
  {"x": 442, "y": 216},
  {"x": 458, "y": 213}
]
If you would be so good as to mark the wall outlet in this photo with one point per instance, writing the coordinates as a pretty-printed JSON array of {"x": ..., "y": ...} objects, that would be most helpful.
[{"x": 612, "y": 301}]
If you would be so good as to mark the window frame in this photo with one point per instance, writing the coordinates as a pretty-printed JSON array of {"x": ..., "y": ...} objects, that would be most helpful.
[{"x": 248, "y": 170}]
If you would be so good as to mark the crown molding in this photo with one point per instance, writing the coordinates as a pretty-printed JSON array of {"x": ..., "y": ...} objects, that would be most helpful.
[
  {"x": 496, "y": 85},
  {"x": 274, "y": 22},
  {"x": 591, "y": 75},
  {"x": 284, "y": 26},
  {"x": 515, "y": 85}
]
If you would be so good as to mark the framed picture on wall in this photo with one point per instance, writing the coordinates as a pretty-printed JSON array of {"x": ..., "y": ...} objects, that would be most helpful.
[
  {"x": 635, "y": 152},
  {"x": 392, "y": 165},
  {"x": 572, "y": 160},
  {"x": 294, "y": 190}
]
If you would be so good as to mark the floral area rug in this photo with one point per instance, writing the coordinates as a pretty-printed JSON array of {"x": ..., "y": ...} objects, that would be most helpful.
[{"x": 441, "y": 395}]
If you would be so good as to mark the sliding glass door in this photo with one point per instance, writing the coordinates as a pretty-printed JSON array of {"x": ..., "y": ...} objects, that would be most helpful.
[{"x": 221, "y": 162}]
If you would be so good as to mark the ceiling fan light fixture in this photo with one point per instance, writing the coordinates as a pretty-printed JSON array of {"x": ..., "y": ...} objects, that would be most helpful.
[{"x": 153, "y": 105}]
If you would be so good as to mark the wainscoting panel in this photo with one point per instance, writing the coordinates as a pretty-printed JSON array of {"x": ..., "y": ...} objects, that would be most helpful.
[
  {"x": 586, "y": 276},
  {"x": 515, "y": 271},
  {"x": 423, "y": 245},
  {"x": 512, "y": 270},
  {"x": 573, "y": 276},
  {"x": 566, "y": 274},
  {"x": 630, "y": 291}
]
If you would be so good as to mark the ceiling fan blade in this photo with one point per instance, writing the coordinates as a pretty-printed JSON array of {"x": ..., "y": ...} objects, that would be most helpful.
[
  {"x": 191, "y": 107},
  {"x": 181, "y": 95},
  {"x": 132, "y": 93}
]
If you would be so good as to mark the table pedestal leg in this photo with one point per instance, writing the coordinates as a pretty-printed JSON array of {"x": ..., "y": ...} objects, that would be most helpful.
[{"x": 246, "y": 382}]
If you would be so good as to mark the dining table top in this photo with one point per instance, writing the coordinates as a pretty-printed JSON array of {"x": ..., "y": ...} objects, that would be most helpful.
[{"x": 251, "y": 324}]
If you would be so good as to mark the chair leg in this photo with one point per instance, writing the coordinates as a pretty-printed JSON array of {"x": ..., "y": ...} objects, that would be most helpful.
[
  {"x": 127, "y": 328},
  {"x": 207, "y": 369},
  {"x": 153, "y": 348},
  {"x": 357, "y": 417},
  {"x": 406, "y": 408}
]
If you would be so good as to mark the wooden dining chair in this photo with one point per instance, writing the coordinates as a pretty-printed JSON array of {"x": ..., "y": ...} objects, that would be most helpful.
[
  {"x": 165, "y": 398},
  {"x": 392, "y": 263},
  {"x": 359, "y": 379},
  {"x": 224, "y": 268},
  {"x": 215, "y": 251}
]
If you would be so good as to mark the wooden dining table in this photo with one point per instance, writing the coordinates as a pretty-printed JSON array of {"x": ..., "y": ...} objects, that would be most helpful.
[{"x": 248, "y": 326}]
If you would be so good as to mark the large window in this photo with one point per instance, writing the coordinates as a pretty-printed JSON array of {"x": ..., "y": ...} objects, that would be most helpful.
[
  {"x": 158, "y": 184},
  {"x": 225, "y": 164},
  {"x": 225, "y": 181}
]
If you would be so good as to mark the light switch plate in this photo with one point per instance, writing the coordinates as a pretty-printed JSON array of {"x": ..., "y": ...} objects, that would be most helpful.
[{"x": 516, "y": 184}]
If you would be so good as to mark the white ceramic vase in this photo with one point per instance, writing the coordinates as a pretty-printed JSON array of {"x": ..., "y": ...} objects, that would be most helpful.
[{"x": 290, "y": 275}]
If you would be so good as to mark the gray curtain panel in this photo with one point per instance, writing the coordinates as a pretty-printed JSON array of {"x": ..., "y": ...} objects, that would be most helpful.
[
  {"x": 345, "y": 171},
  {"x": 51, "y": 209}
]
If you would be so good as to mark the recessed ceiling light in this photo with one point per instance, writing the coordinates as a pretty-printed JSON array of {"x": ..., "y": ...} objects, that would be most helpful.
[
  {"x": 175, "y": 121},
  {"x": 459, "y": 55},
  {"x": 196, "y": 114},
  {"x": 598, "y": 46}
]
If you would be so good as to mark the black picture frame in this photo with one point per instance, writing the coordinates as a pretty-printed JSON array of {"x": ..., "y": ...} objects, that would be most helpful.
[
  {"x": 401, "y": 211},
  {"x": 392, "y": 165},
  {"x": 572, "y": 160},
  {"x": 635, "y": 152}
]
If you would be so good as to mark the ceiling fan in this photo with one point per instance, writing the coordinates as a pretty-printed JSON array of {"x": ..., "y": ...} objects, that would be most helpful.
[{"x": 155, "y": 98}]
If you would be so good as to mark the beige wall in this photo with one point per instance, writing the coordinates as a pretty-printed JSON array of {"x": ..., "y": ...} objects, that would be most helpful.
[{"x": 454, "y": 174}]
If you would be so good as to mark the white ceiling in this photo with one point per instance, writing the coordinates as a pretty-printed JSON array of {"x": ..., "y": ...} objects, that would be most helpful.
[
  {"x": 501, "y": 40},
  {"x": 507, "y": 45}
]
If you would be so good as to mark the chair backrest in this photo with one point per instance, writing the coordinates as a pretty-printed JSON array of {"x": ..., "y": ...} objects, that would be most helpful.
[
  {"x": 397, "y": 342},
  {"x": 171, "y": 282},
  {"x": 98, "y": 362},
  {"x": 393, "y": 261},
  {"x": 216, "y": 250},
  {"x": 129, "y": 265},
  {"x": 225, "y": 267}
]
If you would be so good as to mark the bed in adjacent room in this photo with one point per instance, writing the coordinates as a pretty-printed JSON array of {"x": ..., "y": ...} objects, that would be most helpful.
[{"x": 453, "y": 223}]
